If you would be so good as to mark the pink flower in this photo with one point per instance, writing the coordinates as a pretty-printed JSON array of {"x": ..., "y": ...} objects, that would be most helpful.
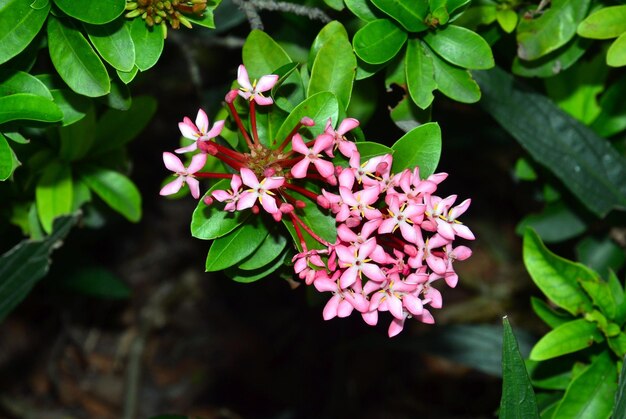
[
  {"x": 198, "y": 131},
  {"x": 184, "y": 175},
  {"x": 311, "y": 155},
  {"x": 338, "y": 139},
  {"x": 357, "y": 262},
  {"x": 260, "y": 190},
  {"x": 230, "y": 197},
  {"x": 253, "y": 91}
]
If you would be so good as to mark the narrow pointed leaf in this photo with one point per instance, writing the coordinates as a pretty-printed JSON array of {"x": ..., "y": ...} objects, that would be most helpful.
[
  {"x": 565, "y": 339},
  {"x": 266, "y": 253},
  {"x": 247, "y": 276}
]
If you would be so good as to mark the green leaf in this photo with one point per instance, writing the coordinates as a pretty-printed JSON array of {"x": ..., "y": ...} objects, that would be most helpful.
[
  {"x": 524, "y": 170},
  {"x": 612, "y": 118},
  {"x": 477, "y": 15},
  {"x": 72, "y": 105},
  {"x": 616, "y": 55},
  {"x": 619, "y": 411},
  {"x": 618, "y": 344},
  {"x": 12, "y": 82},
  {"x": 455, "y": 82},
  {"x": 362, "y": 9},
  {"x": 115, "y": 189},
  {"x": 234, "y": 247},
  {"x": 461, "y": 47},
  {"x": 606, "y": 23},
  {"x": 334, "y": 69},
  {"x": 319, "y": 107},
  {"x": 96, "y": 282},
  {"x": 547, "y": 314},
  {"x": 289, "y": 90},
  {"x": 209, "y": 222},
  {"x": 207, "y": 20},
  {"x": 114, "y": 43},
  {"x": 555, "y": 276},
  {"x": 591, "y": 394},
  {"x": 587, "y": 164},
  {"x": 378, "y": 41},
  {"x": 334, "y": 4},
  {"x": 19, "y": 24},
  {"x": 29, "y": 107},
  {"x": 96, "y": 12},
  {"x": 262, "y": 55},
  {"x": 329, "y": 32},
  {"x": 420, "y": 147},
  {"x": 127, "y": 76},
  {"x": 406, "y": 115},
  {"x": 8, "y": 160},
  {"x": 518, "y": 398},
  {"x": 409, "y": 13},
  {"x": 507, "y": 19},
  {"x": 148, "y": 43},
  {"x": 555, "y": 223},
  {"x": 116, "y": 128},
  {"x": 75, "y": 60},
  {"x": 569, "y": 337},
  {"x": 420, "y": 74},
  {"x": 26, "y": 263},
  {"x": 553, "y": 29},
  {"x": 368, "y": 149},
  {"x": 553, "y": 62},
  {"x": 601, "y": 255},
  {"x": 77, "y": 138},
  {"x": 54, "y": 194},
  {"x": 266, "y": 253},
  {"x": 119, "y": 97},
  {"x": 246, "y": 277},
  {"x": 601, "y": 295}
]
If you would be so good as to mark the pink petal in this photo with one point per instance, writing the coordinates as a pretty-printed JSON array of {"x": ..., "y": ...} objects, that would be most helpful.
[
  {"x": 188, "y": 130},
  {"x": 269, "y": 203},
  {"x": 370, "y": 317},
  {"x": 395, "y": 306},
  {"x": 344, "y": 309},
  {"x": 191, "y": 147},
  {"x": 325, "y": 284},
  {"x": 173, "y": 163},
  {"x": 197, "y": 163},
  {"x": 426, "y": 317},
  {"x": 330, "y": 309},
  {"x": 463, "y": 231},
  {"x": 172, "y": 187},
  {"x": 235, "y": 183},
  {"x": 346, "y": 125},
  {"x": 221, "y": 195},
  {"x": 249, "y": 178},
  {"x": 348, "y": 277},
  {"x": 265, "y": 83},
  {"x": 413, "y": 304},
  {"x": 459, "y": 209},
  {"x": 273, "y": 182},
  {"x": 202, "y": 121},
  {"x": 215, "y": 131},
  {"x": 297, "y": 145},
  {"x": 246, "y": 200},
  {"x": 300, "y": 169},
  {"x": 434, "y": 296},
  {"x": 242, "y": 78},
  {"x": 373, "y": 272},
  {"x": 194, "y": 186},
  {"x": 461, "y": 252},
  {"x": 262, "y": 100},
  {"x": 324, "y": 167},
  {"x": 395, "y": 327}
]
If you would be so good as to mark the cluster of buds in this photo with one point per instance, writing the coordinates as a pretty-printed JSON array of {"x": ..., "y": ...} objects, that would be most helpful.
[
  {"x": 156, "y": 12},
  {"x": 395, "y": 237}
]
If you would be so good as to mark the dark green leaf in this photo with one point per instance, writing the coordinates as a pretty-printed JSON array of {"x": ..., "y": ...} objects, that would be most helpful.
[
  {"x": 75, "y": 60},
  {"x": 211, "y": 222},
  {"x": 612, "y": 118},
  {"x": 420, "y": 147},
  {"x": 420, "y": 74},
  {"x": 77, "y": 138},
  {"x": 591, "y": 394},
  {"x": 228, "y": 250},
  {"x": 114, "y": 43},
  {"x": 569, "y": 337},
  {"x": 319, "y": 107},
  {"x": 246, "y": 277},
  {"x": 54, "y": 194},
  {"x": 19, "y": 24},
  {"x": 207, "y": 20},
  {"x": 406, "y": 115},
  {"x": 555, "y": 276},
  {"x": 148, "y": 44},
  {"x": 547, "y": 314},
  {"x": 28, "y": 262},
  {"x": 553, "y": 62},
  {"x": 329, "y": 32},
  {"x": 555, "y": 223},
  {"x": 72, "y": 105},
  {"x": 8, "y": 160},
  {"x": 268, "y": 251},
  {"x": 378, "y": 41},
  {"x": 12, "y": 82},
  {"x": 553, "y": 29},
  {"x": 409, "y": 13},
  {"x": 262, "y": 55},
  {"x": 619, "y": 411},
  {"x": 29, "y": 107},
  {"x": 455, "y": 82},
  {"x": 461, "y": 47},
  {"x": 600, "y": 255},
  {"x": 119, "y": 97},
  {"x": 96, "y": 282},
  {"x": 518, "y": 398},
  {"x": 606, "y": 23},
  {"x": 587, "y": 164},
  {"x": 362, "y": 9},
  {"x": 554, "y": 374},
  {"x": 115, "y": 189},
  {"x": 96, "y": 12},
  {"x": 367, "y": 150}
]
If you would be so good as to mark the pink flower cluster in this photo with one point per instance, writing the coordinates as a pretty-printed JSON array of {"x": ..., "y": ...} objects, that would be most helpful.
[{"x": 395, "y": 237}]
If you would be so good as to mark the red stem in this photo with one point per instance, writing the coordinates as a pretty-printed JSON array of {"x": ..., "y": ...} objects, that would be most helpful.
[
  {"x": 255, "y": 134},
  {"x": 240, "y": 124}
]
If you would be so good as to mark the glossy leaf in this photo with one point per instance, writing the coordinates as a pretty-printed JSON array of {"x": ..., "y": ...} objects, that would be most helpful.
[
  {"x": 319, "y": 107},
  {"x": 26, "y": 263},
  {"x": 546, "y": 313},
  {"x": 587, "y": 164},
  {"x": 234, "y": 247},
  {"x": 266, "y": 253},
  {"x": 207, "y": 20},
  {"x": 378, "y": 41},
  {"x": 8, "y": 160},
  {"x": 13, "y": 82},
  {"x": 262, "y": 55},
  {"x": 19, "y": 24},
  {"x": 569, "y": 337},
  {"x": 210, "y": 222},
  {"x": 334, "y": 70},
  {"x": 115, "y": 189},
  {"x": 29, "y": 107},
  {"x": 362, "y": 9},
  {"x": 507, "y": 19},
  {"x": 72, "y": 105},
  {"x": 461, "y": 47},
  {"x": 409, "y": 13},
  {"x": 114, "y": 43},
  {"x": 616, "y": 55},
  {"x": 148, "y": 44},
  {"x": 96, "y": 282},
  {"x": 54, "y": 194},
  {"x": 96, "y": 12},
  {"x": 554, "y": 62},
  {"x": 555, "y": 223},
  {"x": 420, "y": 147},
  {"x": 606, "y": 23},
  {"x": 551, "y": 30},
  {"x": 518, "y": 398},
  {"x": 601, "y": 295},
  {"x": 618, "y": 344},
  {"x": 591, "y": 394},
  {"x": 75, "y": 60},
  {"x": 420, "y": 74},
  {"x": 555, "y": 276},
  {"x": 127, "y": 76},
  {"x": 619, "y": 411},
  {"x": 116, "y": 128},
  {"x": 246, "y": 277},
  {"x": 329, "y": 32},
  {"x": 368, "y": 149},
  {"x": 455, "y": 82}
]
